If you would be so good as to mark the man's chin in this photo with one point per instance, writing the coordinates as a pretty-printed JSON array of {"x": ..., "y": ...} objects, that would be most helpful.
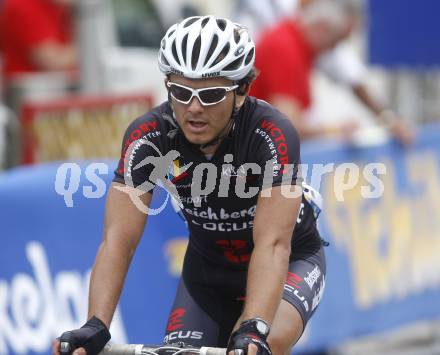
[{"x": 198, "y": 140}]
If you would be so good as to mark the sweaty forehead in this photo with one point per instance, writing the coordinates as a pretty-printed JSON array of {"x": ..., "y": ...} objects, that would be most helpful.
[{"x": 200, "y": 83}]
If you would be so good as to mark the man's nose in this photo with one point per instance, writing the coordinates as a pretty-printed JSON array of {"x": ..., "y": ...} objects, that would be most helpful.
[{"x": 195, "y": 106}]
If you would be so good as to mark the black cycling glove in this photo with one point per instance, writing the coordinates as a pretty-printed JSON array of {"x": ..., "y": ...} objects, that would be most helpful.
[
  {"x": 92, "y": 336},
  {"x": 252, "y": 331}
]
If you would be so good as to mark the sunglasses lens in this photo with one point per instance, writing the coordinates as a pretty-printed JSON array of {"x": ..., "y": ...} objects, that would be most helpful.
[
  {"x": 180, "y": 93},
  {"x": 212, "y": 96}
]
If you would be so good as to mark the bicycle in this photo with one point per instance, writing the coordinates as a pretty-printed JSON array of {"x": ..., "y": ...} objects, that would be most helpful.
[{"x": 168, "y": 349}]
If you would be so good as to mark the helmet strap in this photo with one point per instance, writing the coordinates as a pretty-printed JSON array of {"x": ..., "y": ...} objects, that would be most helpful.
[{"x": 172, "y": 120}]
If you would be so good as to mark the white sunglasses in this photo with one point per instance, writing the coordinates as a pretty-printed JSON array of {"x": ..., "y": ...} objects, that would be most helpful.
[{"x": 207, "y": 96}]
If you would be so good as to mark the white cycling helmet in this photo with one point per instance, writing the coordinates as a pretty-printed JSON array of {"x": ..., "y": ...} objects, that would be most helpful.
[{"x": 205, "y": 47}]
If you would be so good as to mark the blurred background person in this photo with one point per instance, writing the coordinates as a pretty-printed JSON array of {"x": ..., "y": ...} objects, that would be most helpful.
[
  {"x": 314, "y": 35},
  {"x": 259, "y": 15},
  {"x": 37, "y": 38}
]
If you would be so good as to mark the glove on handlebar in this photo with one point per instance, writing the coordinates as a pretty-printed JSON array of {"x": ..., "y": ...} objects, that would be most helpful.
[
  {"x": 92, "y": 336},
  {"x": 247, "y": 334}
]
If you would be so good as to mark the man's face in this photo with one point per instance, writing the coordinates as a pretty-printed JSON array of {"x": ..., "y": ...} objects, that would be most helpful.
[{"x": 200, "y": 124}]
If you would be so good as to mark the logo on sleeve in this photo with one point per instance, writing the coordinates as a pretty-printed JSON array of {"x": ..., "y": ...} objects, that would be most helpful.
[{"x": 278, "y": 137}]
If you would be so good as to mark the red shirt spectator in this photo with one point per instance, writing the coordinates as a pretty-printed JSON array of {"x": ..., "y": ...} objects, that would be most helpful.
[
  {"x": 285, "y": 55},
  {"x": 27, "y": 25},
  {"x": 285, "y": 61}
]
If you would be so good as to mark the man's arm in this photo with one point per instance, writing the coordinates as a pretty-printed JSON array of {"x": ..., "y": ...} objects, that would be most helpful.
[
  {"x": 361, "y": 92},
  {"x": 273, "y": 227},
  {"x": 292, "y": 109},
  {"x": 123, "y": 228},
  {"x": 52, "y": 56},
  {"x": 395, "y": 124}
]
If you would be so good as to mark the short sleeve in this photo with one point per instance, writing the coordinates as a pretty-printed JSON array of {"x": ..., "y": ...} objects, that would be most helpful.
[
  {"x": 277, "y": 148},
  {"x": 141, "y": 154}
]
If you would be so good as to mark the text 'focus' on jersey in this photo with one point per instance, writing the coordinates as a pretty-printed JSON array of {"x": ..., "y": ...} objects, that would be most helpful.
[{"x": 218, "y": 196}]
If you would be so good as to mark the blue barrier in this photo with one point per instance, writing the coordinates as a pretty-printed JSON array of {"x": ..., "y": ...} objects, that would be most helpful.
[
  {"x": 384, "y": 256},
  {"x": 383, "y": 260},
  {"x": 401, "y": 34}
]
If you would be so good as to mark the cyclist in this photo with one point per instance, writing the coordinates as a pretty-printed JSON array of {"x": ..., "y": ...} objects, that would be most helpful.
[{"x": 254, "y": 269}]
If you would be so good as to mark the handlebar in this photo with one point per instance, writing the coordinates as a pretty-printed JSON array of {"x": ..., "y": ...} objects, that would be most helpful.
[{"x": 141, "y": 349}]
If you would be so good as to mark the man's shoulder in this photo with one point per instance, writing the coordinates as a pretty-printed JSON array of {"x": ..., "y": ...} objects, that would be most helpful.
[
  {"x": 146, "y": 135},
  {"x": 152, "y": 126},
  {"x": 153, "y": 120},
  {"x": 263, "y": 121},
  {"x": 275, "y": 36},
  {"x": 261, "y": 110}
]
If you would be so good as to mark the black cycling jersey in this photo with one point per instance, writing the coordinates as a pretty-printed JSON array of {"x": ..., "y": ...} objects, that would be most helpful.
[{"x": 221, "y": 222}]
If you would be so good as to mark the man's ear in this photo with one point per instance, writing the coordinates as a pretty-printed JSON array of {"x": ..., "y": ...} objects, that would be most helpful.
[{"x": 243, "y": 89}]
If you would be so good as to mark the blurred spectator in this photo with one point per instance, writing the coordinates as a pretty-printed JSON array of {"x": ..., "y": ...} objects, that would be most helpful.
[
  {"x": 36, "y": 39},
  {"x": 339, "y": 63},
  {"x": 37, "y": 35},
  {"x": 261, "y": 14},
  {"x": 287, "y": 53}
]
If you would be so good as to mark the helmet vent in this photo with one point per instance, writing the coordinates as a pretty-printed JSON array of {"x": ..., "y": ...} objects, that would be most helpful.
[
  {"x": 191, "y": 21},
  {"x": 173, "y": 49},
  {"x": 196, "y": 53},
  {"x": 184, "y": 44},
  {"x": 222, "y": 54},
  {"x": 171, "y": 33},
  {"x": 249, "y": 57},
  {"x": 235, "y": 64},
  {"x": 221, "y": 24},
  {"x": 205, "y": 21},
  {"x": 211, "y": 48},
  {"x": 236, "y": 36}
]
